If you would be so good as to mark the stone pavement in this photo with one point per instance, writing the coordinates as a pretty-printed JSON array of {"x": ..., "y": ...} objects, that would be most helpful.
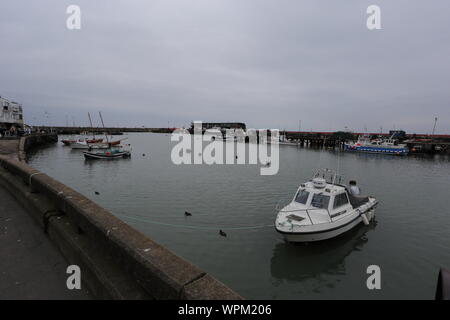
[
  {"x": 9, "y": 147},
  {"x": 31, "y": 267}
]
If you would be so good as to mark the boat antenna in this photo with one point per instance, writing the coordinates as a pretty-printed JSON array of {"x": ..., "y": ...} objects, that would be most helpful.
[
  {"x": 90, "y": 121},
  {"x": 338, "y": 167}
]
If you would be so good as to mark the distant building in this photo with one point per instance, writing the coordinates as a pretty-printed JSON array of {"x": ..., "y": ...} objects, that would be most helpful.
[
  {"x": 222, "y": 125},
  {"x": 11, "y": 114}
]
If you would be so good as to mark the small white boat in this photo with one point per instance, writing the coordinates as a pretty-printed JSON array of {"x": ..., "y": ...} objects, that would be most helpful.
[
  {"x": 86, "y": 145},
  {"x": 283, "y": 140},
  {"x": 322, "y": 209}
]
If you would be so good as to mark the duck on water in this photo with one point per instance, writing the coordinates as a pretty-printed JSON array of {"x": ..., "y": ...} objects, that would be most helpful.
[{"x": 322, "y": 209}]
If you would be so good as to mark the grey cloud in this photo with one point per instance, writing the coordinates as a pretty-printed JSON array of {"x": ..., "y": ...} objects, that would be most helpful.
[{"x": 267, "y": 63}]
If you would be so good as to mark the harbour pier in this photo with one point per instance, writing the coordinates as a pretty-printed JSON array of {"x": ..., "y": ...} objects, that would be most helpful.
[
  {"x": 318, "y": 139},
  {"x": 417, "y": 143},
  {"x": 101, "y": 130}
]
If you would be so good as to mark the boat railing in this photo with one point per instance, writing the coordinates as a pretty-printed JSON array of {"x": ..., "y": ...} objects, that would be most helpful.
[
  {"x": 307, "y": 211},
  {"x": 330, "y": 175}
]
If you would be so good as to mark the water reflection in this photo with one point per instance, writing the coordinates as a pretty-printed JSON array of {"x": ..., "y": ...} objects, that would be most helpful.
[
  {"x": 256, "y": 263},
  {"x": 301, "y": 261}
]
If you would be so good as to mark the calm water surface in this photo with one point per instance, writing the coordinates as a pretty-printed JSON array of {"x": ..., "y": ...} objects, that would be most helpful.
[{"x": 409, "y": 241}]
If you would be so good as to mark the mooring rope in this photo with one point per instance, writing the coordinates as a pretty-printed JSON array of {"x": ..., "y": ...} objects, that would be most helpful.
[{"x": 195, "y": 227}]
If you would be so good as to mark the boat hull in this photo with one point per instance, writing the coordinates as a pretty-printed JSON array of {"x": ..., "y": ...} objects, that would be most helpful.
[
  {"x": 331, "y": 230},
  {"x": 78, "y": 145},
  {"x": 68, "y": 142},
  {"x": 288, "y": 143},
  {"x": 97, "y": 156},
  {"x": 320, "y": 235},
  {"x": 382, "y": 150}
]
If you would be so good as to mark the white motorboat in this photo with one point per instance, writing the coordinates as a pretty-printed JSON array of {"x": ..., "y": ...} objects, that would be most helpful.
[
  {"x": 322, "y": 209},
  {"x": 283, "y": 140},
  {"x": 217, "y": 134},
  {"x": 86, "y": 145}
]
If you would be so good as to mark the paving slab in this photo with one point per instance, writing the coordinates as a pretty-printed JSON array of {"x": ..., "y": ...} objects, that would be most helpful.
[{"x": 31, "y": 267}]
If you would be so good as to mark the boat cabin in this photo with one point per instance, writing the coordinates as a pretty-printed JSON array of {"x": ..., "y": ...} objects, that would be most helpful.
[
  {"x": 318, "y": 195},
  {"x": 322, "y": 209}
]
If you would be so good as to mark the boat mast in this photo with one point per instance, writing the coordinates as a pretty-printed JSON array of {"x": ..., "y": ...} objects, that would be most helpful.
[
  {"x": 90, "y": 121},
  {"x": 434, "y": 127},
  {"x": 103, "y": 124}
]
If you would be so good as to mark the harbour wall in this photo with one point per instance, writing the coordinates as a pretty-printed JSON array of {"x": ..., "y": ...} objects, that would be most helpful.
[
  {"x": 116, "y": 260},
  {"x": 35, "y": 140},
  {"x": 417, "y": 143}
]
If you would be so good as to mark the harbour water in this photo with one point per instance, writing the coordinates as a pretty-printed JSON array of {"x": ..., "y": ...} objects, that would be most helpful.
[{"x": 409, "y": 240}]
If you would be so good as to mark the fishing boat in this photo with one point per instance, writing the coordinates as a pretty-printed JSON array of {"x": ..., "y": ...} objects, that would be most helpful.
[
  {"x": 323, "y": 209},
  {"x": 388, "y": 146},
  {"x": 107, "y": 155}
]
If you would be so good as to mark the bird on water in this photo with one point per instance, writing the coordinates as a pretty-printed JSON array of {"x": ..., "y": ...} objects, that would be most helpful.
[{"x": 223, "y": 234}]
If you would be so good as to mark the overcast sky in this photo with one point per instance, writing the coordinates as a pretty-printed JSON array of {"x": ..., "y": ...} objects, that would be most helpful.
[{"x": 266, "y": 63}]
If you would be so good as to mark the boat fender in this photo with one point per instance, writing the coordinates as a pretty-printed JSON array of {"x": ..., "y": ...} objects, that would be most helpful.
[
  {"x": 371, "y": 214},
  {"x": 365, "y": 219}
]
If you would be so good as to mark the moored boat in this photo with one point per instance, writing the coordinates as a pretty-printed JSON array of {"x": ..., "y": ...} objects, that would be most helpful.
[
  {"x": 106, "y": 155},
  {"x": 322, "y": 209},
  {"x": 68, "y": 142},
  {"x": 86, "y": 145},
  {"x": 365, "y": 144}
]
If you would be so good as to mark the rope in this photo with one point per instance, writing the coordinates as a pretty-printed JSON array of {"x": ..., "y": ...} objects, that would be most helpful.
[{"x": 195, "y": 227}]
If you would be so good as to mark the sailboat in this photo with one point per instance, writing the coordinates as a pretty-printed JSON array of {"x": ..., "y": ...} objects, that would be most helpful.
[
  {"x": 88, "y": 143},
  {"x": 114, "y": 151}
]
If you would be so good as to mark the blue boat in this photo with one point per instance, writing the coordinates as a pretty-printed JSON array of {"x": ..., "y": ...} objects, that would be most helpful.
[{"x": 365, "y": 144}]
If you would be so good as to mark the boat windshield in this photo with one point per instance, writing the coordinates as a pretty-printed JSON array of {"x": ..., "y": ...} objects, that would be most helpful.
[
  {"x": 320, "y": 201},
  {"x": 302, "y": 196}
]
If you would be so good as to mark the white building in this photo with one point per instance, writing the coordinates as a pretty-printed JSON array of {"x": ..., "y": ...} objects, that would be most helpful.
[{"x": 11, "y": 114}]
